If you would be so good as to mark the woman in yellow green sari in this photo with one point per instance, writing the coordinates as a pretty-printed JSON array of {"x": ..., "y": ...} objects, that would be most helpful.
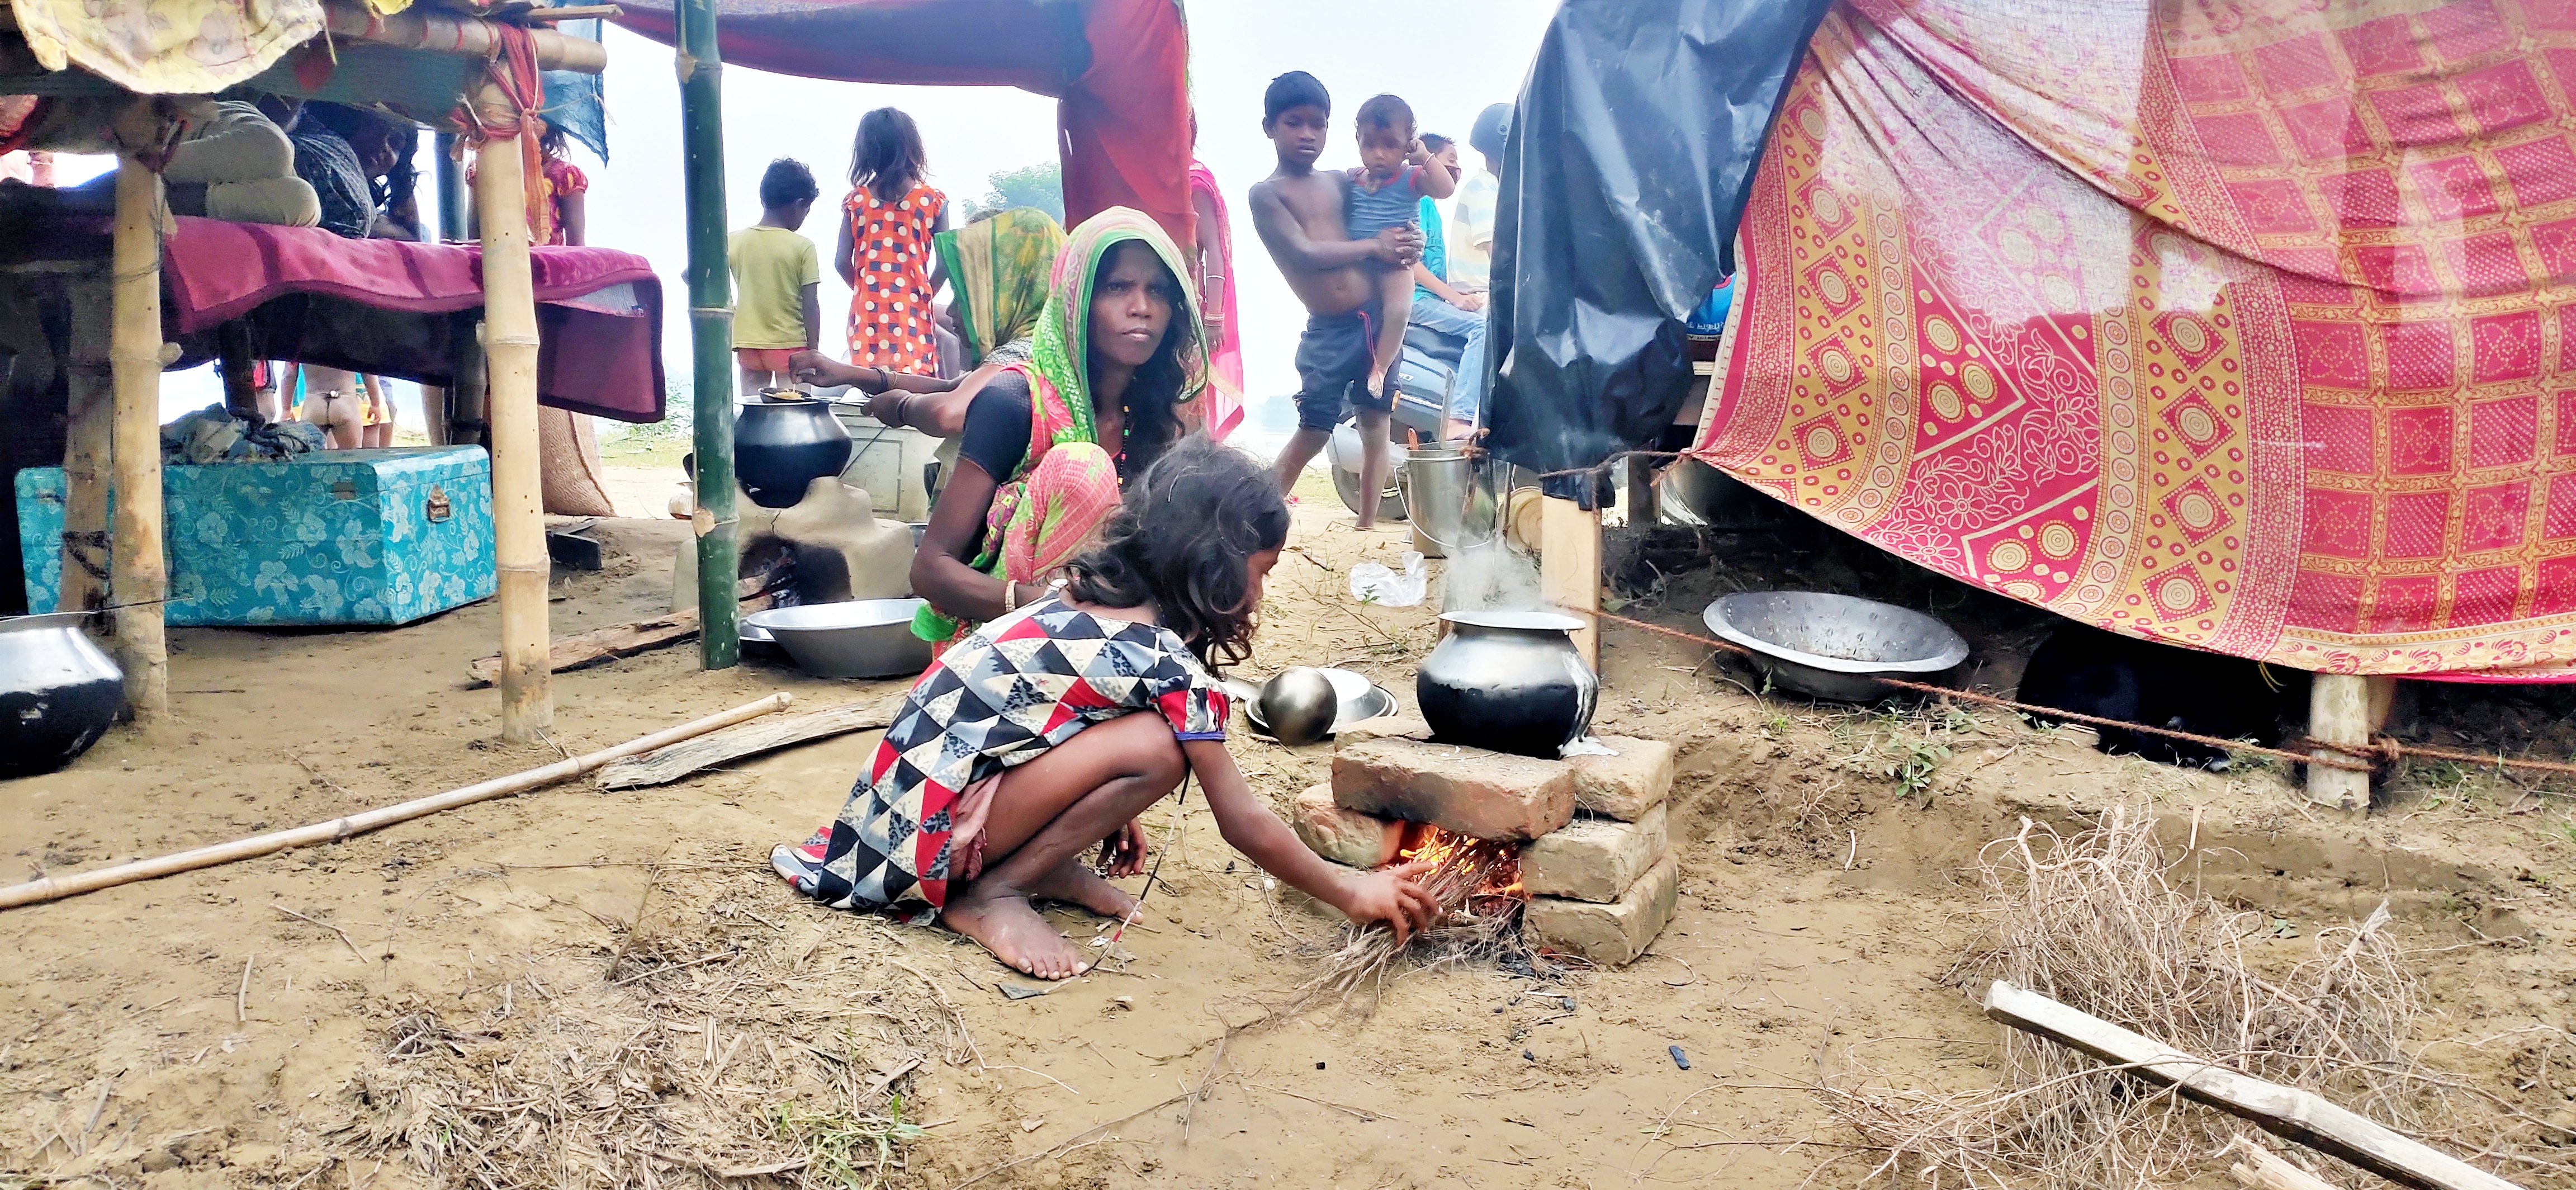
[{"x": 1115, "y": 366}]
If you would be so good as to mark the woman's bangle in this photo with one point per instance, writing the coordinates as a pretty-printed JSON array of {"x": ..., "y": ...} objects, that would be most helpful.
[{"x": 1010, "y": 596}]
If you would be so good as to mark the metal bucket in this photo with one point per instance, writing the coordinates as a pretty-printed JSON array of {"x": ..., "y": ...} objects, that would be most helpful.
[{"x": 1450, "y": 508}]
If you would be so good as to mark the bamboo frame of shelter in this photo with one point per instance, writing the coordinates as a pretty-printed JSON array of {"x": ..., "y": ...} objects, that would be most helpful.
[{"x": 115, "y": 444}]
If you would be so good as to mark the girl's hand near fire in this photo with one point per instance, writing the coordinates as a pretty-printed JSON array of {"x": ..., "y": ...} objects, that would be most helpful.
[
  {"x": 1253, "y": 828},
  {"x": 1391, "y": 896}
]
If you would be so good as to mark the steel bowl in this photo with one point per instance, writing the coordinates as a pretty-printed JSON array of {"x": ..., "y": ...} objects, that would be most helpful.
[
  {"x": 863, "y": 638},
  {"x": 1834, "y": 646},
  {"x": 58, "y": 692},
  {"x": 1357, "y": 699}
]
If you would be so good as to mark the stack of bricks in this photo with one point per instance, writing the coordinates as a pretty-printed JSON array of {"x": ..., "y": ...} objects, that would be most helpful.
[{"x": 1596, "y": 862}]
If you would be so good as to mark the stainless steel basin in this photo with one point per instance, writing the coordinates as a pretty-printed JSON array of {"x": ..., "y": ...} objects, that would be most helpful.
[
  {"x": 863, "y": 638},
  {"x": 1834, "y": 646}
]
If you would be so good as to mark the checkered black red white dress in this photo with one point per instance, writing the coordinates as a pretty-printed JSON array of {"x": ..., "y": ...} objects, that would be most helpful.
[{"x": 999, "y": 697}]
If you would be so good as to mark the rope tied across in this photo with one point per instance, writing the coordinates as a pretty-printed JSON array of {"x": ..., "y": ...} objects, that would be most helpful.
[{"x": 2381, "y": 752}]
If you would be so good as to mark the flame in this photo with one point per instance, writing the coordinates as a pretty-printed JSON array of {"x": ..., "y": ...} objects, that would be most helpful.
[{"x": 1442, "y": 848}]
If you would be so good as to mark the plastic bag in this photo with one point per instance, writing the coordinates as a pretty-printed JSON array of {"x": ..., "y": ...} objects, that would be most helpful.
[{"x": 1374, "y": 582}]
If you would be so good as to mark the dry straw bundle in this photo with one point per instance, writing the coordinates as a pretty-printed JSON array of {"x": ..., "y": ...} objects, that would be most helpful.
[{"x": 2098, "y": 922}]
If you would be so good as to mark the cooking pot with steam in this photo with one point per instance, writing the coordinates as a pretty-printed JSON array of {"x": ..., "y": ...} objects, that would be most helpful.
[{"x": 1508, "y": 682}]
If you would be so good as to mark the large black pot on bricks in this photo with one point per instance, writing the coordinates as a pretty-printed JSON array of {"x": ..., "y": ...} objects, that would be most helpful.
[
  {"x": 58, "y": 692},
  {"x": 782, "y": 446},
  {"x": 1508, "y": 682}
]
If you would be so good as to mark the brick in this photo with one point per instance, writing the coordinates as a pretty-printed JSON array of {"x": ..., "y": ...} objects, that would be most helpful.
[
  {"x": 1625, "y": 785},
  {"x": 1343, "y": 836},
  {"x": 1612, "y": 935},
  {"x": 1487, "y": 795},
  {"x": 1384, "y": 727},
  {"x": 1594, "y": 859}
]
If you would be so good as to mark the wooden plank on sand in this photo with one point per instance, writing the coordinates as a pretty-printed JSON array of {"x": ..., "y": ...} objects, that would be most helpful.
[
  {"x": 608, "y": 644},
  {"x": 2286, "y": 1112},
  {"x": 705, "y": 752}
]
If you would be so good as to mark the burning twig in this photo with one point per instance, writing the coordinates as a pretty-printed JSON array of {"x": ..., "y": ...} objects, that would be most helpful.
[{"x": 1476, "y": 883}]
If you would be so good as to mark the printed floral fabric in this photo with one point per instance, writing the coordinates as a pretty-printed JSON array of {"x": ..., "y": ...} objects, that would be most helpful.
[
  {"x": 2238, "y": 325},
  {"x": 167, "y": 47}
]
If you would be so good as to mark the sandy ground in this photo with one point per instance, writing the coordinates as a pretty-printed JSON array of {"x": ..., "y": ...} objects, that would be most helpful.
[
  {"x": 621, "y": 967},
  {"x": 643, "y": 493}
]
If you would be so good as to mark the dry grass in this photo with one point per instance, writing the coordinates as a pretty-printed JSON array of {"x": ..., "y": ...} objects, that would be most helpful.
[
  {"x": 733, "y": 1053},
  {"x": 2107, "y": 921}
]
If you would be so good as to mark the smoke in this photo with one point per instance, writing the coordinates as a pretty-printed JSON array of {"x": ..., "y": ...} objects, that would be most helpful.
[{"x": 1492, "y": 576}]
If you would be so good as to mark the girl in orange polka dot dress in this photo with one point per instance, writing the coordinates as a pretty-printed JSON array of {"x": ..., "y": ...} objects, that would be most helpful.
[{"x": 885, "y": 253}]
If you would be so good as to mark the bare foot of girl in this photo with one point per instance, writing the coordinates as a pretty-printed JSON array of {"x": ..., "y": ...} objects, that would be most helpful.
[
  {"x": 1075, "y": 883},
  {"x": 999, "y": 917}
]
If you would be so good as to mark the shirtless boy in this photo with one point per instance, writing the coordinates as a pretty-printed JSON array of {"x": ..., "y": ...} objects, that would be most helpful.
[{"x": 1298, "y": 212}]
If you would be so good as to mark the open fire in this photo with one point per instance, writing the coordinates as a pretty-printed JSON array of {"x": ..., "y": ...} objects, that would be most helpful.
[{"x": 1465, "y": 871}]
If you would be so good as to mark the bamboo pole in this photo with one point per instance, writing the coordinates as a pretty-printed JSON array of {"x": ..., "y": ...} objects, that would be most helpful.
[
  {"x": 55, "y": 888},
  {"x": 447, "y": 33},
  {"x": 518, "y": 498},
  {"x": 469, "y": 405},
  {"x": 89, "y": 432},
  {"x": 138, "y": 574},
  {"x": 450, "y": 408},
  {"x": 701, "y": 72}
]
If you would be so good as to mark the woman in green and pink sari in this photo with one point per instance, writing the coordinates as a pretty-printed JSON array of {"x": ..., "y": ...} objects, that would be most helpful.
[{"x": 1115, "y": 364}]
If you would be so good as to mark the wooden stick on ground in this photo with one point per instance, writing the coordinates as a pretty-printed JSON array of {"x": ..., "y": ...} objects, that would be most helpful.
[
  {"x": 2263, "y": 1169},
  {"x": 54, "y": 888},
  {"x": 679, "y": 760},
  {"x": 2287, "y": 1112},
  {"x": 598, "y": 645}
]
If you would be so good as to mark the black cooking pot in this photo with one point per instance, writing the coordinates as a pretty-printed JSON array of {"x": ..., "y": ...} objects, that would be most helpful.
[
  {"x": 781, "y": 446},
  {"x": 58, "y": 692},
  {"x": 1508, "y": 682}
]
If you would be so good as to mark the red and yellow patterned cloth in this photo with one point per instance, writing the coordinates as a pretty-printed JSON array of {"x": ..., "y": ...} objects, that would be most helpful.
[{"x": 2244, "y": 326}]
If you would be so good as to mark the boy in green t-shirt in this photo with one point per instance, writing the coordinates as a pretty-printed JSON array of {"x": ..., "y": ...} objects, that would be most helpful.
[{"x": 777, "y": 279}]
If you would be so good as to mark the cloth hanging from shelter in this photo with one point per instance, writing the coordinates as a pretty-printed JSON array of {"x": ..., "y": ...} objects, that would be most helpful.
[
  {"x": 2241, "y": 326},
  {"x": 576, "y": 102},
  {"x": 1118, "y": 67},
  {"x": 167, "y": 47}
]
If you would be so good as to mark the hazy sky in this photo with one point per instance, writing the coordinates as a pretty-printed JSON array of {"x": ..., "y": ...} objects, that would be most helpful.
[
  {"x": 1447, "y": 58},
  {"x": 1445, "y": 61}
]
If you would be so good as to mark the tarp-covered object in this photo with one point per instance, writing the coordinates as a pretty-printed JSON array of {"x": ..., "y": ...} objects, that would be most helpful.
[
  {"x": 166, "y": 47},
  {"x": 1119, "y": 69},
  {"x": 2241, "y": 325},
  {"x": 1635, "y": 136}
]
